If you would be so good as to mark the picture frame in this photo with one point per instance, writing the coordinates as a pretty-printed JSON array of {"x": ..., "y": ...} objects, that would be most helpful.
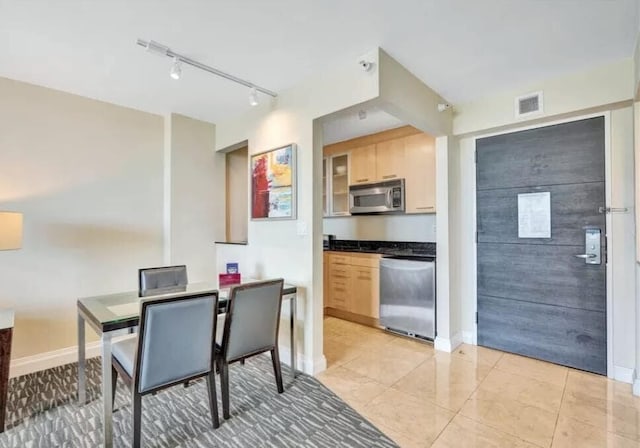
[{"x": 273, "y": 184}]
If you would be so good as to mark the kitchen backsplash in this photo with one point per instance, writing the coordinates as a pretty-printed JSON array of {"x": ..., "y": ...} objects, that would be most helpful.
[{"x": 421, "y": 228}]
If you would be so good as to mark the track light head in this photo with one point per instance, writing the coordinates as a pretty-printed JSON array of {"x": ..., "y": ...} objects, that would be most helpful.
[
  {"x": 253, "y": 97},
  {"x": 176, "y": 69}
]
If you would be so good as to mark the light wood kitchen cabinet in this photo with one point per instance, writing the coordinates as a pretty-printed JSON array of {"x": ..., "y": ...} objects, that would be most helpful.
[
  {"x": 352, "y": 285},
  {"x": 390, "y": 159},
  {"x": 366, "y": 291},
  {"x": 363, "y": 165},
  {"x": 420, "y": 174},
  {"x": 397, "y": 153},
  {"x": 325, "y": 279},
  {"x": 340, "y": 293},
  {"x": 339, "y": 185}
]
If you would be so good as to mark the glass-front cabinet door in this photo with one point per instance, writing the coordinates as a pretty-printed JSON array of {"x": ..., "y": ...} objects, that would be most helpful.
[
  {"x": 325, "y": 186},
  {"x": 340, "y": 184}
]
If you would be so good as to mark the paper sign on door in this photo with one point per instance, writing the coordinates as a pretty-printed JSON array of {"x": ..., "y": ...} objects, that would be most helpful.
[{"x": 534, "y": 215}]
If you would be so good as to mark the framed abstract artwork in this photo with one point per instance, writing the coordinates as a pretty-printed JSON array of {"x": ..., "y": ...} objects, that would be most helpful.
[{"x": 273, "y": 184}]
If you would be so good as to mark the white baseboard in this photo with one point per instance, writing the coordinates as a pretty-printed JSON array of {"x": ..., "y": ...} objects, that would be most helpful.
[
  {"x": 302, "y": 364},
  {"x": 624, "y": 374},
  {"x": 447, "y": 345},
  {"x": 47, "y": 360},
  {"x": 470, "y": 337},
  {"x": 54, "y": 358}
]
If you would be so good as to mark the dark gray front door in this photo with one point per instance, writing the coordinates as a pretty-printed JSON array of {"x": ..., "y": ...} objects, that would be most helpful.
[{"x": 535, "y": 297}]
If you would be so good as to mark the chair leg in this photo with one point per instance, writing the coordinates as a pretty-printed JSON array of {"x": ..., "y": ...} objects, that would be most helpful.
[
  {"x": 186, "y": 384},
  {"x": 224, "y": 388},
  {"x": 242, "y": 361},
  {"x": 275, "y": 359},
  {"x": 137, "y": 414},
  {"x": 114, "y": 382},
  {"x": 213, "y": 399}
]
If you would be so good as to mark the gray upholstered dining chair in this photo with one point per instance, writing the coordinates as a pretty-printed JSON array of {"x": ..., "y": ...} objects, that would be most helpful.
[
  {"x": 164, "y": 277},
  {"x": 250, "y": 328},
  {"x": 174, "y": 345}
]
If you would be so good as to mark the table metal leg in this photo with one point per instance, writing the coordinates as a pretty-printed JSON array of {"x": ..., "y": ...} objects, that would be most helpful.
[
  {"x": 82, "y": 375},
  {"x": 107, "y": 418},
  {"x": 294, "y": 311}
]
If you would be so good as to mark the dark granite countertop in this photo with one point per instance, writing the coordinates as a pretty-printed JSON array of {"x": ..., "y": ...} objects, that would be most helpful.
[{"x": 389, "y": 248}]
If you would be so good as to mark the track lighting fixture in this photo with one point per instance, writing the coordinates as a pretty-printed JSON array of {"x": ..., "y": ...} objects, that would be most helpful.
[
  {"x": 179, "y": 59},
  {"x": 176, "y": 69},
  {"x": 253, "y": 97}
]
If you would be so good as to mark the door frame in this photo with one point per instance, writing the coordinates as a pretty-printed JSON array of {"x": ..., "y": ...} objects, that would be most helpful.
[{"x": 609, "y": 237}]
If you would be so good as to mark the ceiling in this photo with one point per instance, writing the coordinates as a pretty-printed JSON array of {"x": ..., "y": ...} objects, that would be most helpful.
[{"x": 462, "y": 49}]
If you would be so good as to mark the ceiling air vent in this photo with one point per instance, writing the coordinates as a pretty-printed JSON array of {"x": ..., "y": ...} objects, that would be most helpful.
[{"x": 529, "y": 104}]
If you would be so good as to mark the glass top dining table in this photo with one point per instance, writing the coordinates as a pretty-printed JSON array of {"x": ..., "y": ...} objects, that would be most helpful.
[{"x": 107, "y": 314}]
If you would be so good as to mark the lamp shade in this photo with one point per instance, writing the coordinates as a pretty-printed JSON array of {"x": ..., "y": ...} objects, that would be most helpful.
[{"x": 10, "y": 230}]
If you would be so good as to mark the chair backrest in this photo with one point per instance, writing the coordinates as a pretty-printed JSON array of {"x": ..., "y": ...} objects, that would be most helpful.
[
  {"x": 253, "y": 318},
  {"x": 175, "y": 340},
  {"x": 162, "y": 277}
]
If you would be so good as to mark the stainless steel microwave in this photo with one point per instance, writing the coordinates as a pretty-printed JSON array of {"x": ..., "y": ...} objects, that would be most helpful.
[{"x": 379, "y": 197}]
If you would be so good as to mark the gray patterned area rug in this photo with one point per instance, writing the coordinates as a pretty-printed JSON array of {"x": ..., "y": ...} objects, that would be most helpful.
[{"x": 42, "y": 412}]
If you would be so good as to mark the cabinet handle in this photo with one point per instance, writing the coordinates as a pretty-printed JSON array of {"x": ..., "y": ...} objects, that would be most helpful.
[
  {"x": 425, "y": 208},
  {"x": 362, "y": 180},
  {"x": 389, "y": 176},
  {"x": 364, "y": 278},
  {"x": 339, "y": 289}
]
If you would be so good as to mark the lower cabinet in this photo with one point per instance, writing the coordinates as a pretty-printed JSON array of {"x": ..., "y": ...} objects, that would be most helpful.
[{"x": 351, "y": 286}]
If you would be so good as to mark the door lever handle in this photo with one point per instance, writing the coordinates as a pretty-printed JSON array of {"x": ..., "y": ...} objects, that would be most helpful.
[{"x": 585, "y": 256}]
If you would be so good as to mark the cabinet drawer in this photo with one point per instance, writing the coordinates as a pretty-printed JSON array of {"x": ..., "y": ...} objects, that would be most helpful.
[
  {"x": 339, "y": 259},
  {"x": 339, "y": 272},
  {"x": 340, "y": 285},
  {"x": 340, "y": 303},
  {"x": 366, "y": 260},
  {"x": 363, "y": 274}
]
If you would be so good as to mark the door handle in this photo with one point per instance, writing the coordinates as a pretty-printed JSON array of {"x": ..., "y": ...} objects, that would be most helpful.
[{"x": 585, "y": 256}]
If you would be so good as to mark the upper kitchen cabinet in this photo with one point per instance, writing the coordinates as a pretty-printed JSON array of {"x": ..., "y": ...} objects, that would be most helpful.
[
  {"x": 363, "y": 164},
  {"x": 339, "y": 186},
  {"x": 400, "y": 153},
  {"x": 420, "y": 173},
  {"x": 390, "y": 159},
  {"x": 325, "y": 186}
]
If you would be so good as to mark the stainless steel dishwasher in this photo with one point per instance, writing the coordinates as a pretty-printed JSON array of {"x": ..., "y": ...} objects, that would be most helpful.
[{"x": 408, "y": 296}]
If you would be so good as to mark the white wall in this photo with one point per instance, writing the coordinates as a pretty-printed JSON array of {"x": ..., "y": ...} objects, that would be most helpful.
[
  {"x": 622, "y": 240},
  {"x": 88, "y": 177},
  {"x": 275, "y": 248},
  {"x": 421, "y": 228}
]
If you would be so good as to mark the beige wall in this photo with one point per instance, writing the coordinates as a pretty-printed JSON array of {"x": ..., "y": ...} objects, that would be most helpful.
[
  {"x": 237, "y": 197},
  {"x": 607, "y": 84},
  {"x": 88, "y": 177},
  {"x": 197, "y": 196}
]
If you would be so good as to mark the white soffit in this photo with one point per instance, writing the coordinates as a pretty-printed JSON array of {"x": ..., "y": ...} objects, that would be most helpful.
[
  {"x": 463, "y": 49},
  {"x": 346, "y": 126}
]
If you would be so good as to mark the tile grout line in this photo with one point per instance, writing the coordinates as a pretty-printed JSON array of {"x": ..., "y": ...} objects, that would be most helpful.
[
  {"x": 564, "y": 390},
  {"x": 459, "y": 411},
  {"x": 517, "y": 436}
]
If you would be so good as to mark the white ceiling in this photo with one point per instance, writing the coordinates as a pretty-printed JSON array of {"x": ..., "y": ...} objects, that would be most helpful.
[{"x": 462, "y": 48}]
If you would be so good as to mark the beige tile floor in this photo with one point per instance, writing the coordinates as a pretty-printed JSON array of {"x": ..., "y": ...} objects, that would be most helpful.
[{"x": 474, "y": 397}]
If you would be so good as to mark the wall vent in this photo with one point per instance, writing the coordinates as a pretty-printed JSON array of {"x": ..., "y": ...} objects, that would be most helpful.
[{"x": 528, "y": 105}]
